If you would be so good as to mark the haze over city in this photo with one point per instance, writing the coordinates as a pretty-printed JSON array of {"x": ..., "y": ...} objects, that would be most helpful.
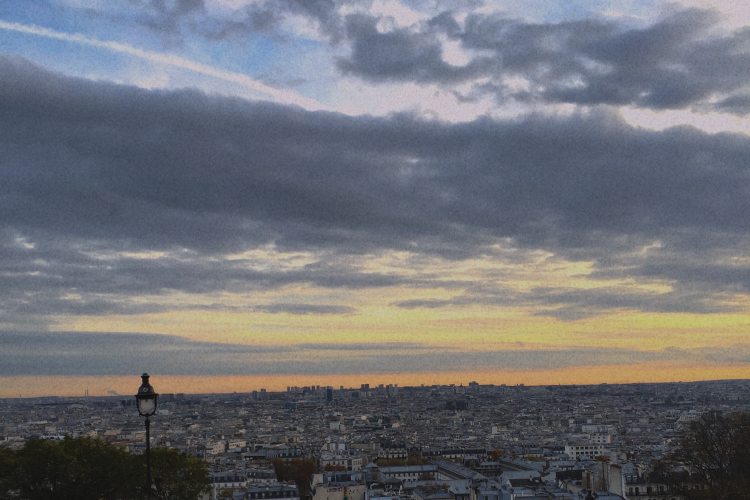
[{"x": 236, "y": 194}]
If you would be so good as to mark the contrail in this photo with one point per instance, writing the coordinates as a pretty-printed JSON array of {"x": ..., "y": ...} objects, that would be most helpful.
[{"x": 282, "y": 96}]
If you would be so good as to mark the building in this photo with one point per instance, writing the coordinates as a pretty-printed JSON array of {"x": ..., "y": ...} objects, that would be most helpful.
[
  {"x": 259, "y": 491},
  {"x": 580, "y": 449}
]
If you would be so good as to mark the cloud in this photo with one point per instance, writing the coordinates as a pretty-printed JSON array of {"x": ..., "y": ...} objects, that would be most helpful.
[
  {"x": 426, "y": 303},
  {"x": 94, "y": 173},
  {"x": 304, "y": 309},
  {"x": 400, "y": 54},
  {"x": 573, "y": 304},
  {"x": 579, "y": 304},
  {"x": 681, "y": 60},
  {"x": 384, "y": 346},
  {"x": 74, "y": 353},
  {"x": 166, "y": 17},
  {"x": 276, "y": 18},
  {"x": 685, "y": 59}
]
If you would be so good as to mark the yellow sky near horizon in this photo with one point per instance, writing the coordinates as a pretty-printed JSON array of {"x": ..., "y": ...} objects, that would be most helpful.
[
  {"x": 472, "y": 319},
  {"x": 642, "y": 331},
  {"x": 478, "y": 326}
]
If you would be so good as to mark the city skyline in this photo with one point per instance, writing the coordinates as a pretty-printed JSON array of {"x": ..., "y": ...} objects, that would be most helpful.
[
  {"x": 347, "y": 385},
  {"x": 241, "y": 190}
]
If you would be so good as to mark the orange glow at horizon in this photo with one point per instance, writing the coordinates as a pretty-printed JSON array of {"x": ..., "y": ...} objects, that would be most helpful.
[{"x": 30, "y": 386}]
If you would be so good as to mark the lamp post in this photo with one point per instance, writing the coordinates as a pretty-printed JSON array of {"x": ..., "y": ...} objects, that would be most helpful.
[{"x": 146, "y": 401}]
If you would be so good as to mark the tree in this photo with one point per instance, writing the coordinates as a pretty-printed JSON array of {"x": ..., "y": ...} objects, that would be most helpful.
[
  {"x": 90, "y": 469},
  {"x": 7, "y": 466},
  {"x": 390, "y": 462},
  {"x": 712, "y": 459},
  {"x": 300, "y": 471},
  {"x": 279, "y": 466},
  {"x": 176, "y": 475},
  {"x": 80, "y": 469}
]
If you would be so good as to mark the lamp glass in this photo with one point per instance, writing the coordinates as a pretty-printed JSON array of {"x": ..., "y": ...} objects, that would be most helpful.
[{"x": 146, "y": 406}]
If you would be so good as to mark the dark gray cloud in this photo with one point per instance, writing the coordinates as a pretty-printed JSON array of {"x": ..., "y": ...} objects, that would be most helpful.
[
  {"x": 304, "y": 309},
  {"x": 385, "y": 346},
  {"x": 170, "y": 17},
  {"x": 73, "y": 353},
  {"x": 423, "y": 303},
  {"x": 675, "y": 63},
  {"x": 571, "y": 304},
  {"x": 399, "y": 55},
  {"x": 579, "y": 304},
  {"x": 267, "y": 18},
  {"x": 738, "y": 104},
  {"x": 93, "y": 169}
]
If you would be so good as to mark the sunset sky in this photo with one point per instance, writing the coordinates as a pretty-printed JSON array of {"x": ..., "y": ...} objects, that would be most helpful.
[{"x": 236, "y": 194}]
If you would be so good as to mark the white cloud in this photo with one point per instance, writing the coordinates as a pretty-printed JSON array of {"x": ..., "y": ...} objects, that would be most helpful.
[
  {"x": 303, "y": 26},
  {"x": 402, "y": 15},
  {"x": 709, "y": 122},
  {"x": 453, "y": 54},
  {"x": 735, "y": 14},
  {"x": 429, "y": 101},
  {"x": 228, "y": 5},
  {"x": 24, "y": 243}
]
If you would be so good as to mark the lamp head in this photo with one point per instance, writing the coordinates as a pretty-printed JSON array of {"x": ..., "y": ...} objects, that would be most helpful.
[{"x": 146, "y": 398}]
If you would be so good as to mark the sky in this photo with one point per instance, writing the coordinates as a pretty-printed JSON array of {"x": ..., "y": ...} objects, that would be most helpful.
[{"x": 236, "y": 194}]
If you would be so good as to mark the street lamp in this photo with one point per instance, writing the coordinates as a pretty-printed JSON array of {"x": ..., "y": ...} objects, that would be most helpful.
[{"x": 146, "y": 401}]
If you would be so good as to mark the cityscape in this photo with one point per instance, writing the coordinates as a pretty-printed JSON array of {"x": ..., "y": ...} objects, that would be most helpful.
[{"x": 397, "y": 443}]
